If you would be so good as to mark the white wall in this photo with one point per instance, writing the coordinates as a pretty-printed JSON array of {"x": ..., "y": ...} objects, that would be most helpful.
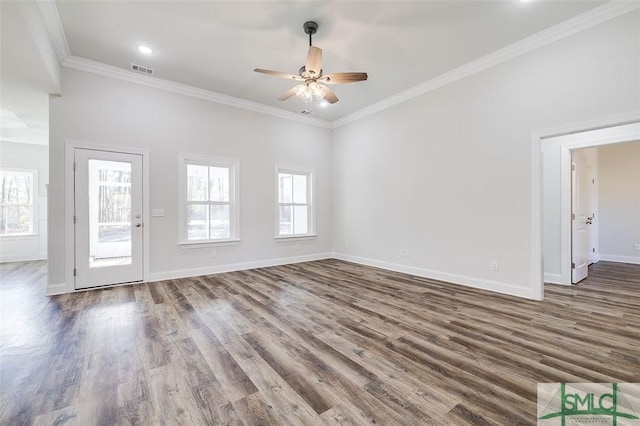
[
  {"x": 619, "y": 202},
  {"x": 101, "y": 110},
  {"x": 551, "y": 211},
  {"x": 447, "y": 175},
  {"x": 30, "y": 157}
]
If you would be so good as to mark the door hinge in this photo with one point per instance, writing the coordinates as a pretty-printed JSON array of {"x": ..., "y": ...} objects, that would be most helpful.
[
  {"x": 573, "y": 265},
  {"x": 74, "y": 166},
  {"x": 573, "y": 216},
  {"x": 593, "y": 181},
  {"x": 593, "y": 250},
  {"x": 74, "y": 219},
  {"x": 573, "y": 167},
  {"x": 74, "y": 272}
]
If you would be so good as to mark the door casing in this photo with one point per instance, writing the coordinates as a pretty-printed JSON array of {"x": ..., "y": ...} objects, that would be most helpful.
[
  {"x": 621, "y": 128},
  {"x": 70, "y": 147}
]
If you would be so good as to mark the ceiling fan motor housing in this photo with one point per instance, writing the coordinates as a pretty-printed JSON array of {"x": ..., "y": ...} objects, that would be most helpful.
[{"x": 307, "y": 76}]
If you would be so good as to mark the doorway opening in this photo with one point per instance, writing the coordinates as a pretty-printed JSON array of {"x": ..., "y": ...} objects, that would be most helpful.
[
  {"x": 106, "y": 241},
  {"x": 559, "y": 221}
]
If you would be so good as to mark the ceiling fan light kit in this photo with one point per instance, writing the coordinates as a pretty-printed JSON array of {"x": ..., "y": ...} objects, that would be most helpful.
[{"x": 311, "y": 76}]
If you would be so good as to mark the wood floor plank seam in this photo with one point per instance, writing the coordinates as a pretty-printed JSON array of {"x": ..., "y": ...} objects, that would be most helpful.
[{"x": 314, "y": 343}]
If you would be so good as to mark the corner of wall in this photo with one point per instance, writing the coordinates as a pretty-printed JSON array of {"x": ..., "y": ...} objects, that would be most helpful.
[{"x": 478, "y": 283}]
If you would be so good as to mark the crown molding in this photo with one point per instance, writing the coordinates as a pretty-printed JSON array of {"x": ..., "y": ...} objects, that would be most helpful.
[
  {"x": 52, "y": 22},
  {"x": 586, "y": 20},
  {"x": 99, "y": 68},
  {"x": 593, "y": 17}
]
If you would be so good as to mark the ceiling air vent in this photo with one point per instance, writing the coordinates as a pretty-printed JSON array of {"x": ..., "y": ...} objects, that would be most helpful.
[{"x": 141, "y": 69}]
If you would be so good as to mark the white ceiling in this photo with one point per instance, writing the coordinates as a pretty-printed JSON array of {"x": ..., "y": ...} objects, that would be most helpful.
[
  {"x": 25, "y": 83},
  {"x": 215, "y": 45}
]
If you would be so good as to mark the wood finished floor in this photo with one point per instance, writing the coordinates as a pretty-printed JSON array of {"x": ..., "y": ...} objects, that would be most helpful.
[{"x": 323, "y": 342}]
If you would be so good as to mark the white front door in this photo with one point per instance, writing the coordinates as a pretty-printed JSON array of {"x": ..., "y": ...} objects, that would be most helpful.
[
  {"x": 108, "y": 218},
  {"x": 579, "y": 217}
]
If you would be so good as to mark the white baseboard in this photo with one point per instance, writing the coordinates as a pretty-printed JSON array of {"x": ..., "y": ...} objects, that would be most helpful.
[
  {"x": 553, "y": 279},
  {"x": 621, "y": 259},
  {"x": 23, "y": 257},
  {"x": 231, "y": 267},
  {"x": 479, "y": 283},
  {"x": 54, "y": 289}
]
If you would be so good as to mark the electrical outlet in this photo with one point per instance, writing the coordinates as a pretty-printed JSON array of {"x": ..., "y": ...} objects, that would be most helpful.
[
  {"x": 213, "y": 253},
  {"x": 636, "y": 247},
  {"x": 494, "y": 265},
  {"x": 296, "y": 246},
  {"x": 346, "y": 244},
  {"x": 405, "y": 254}
]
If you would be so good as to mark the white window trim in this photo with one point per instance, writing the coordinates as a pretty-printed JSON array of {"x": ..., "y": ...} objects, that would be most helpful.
[
  {"x": 34, "y": 204},
  {"x": 311, "y": 182},
  {"x": 234, "y": 199}
]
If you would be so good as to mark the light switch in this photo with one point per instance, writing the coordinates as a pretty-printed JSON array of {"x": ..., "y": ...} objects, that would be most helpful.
[{"x": 157, "y": 212}]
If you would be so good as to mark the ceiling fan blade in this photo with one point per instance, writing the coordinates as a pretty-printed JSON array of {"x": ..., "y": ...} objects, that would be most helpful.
[
  {"x": 328, "y": 95},
  {"x": 279, "y": 74},
  {"x": 343, "y": 77},
  {"x": 289, "y": 93},
  {"x": 314, "y": 61}
]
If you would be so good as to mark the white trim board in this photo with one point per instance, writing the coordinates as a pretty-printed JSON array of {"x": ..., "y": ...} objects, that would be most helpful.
[
  {"x": 99, "y": 68},
  {"x": 232, "y": 267},
  {"x": 23, "y": 257},
  {"x": 69, "y": 201},
  {"x": 620, "y": 259},
  {"x": 479, "y": 283},
  {"x": 482, "y": 284},
  {"x": 55, "y": 289},
  {"x": 620, "y": 128},
  {"x": 591, "y": 18},
  {"x": 553, "y": 279}
]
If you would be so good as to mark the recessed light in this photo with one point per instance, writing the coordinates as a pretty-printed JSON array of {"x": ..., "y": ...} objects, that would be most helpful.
[{"x": 145, "y": 49}]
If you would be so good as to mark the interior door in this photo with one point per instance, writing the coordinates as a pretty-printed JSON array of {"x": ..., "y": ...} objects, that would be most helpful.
[
  {"x": 108, "y": 218},
  {"x": 579, "y": 218},
  {"x": 592, "y": 227}
]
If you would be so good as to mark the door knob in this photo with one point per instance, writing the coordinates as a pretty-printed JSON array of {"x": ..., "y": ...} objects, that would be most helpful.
[
  {"x": 138, "y": 225},
  {"x": 589, "y": 220}
]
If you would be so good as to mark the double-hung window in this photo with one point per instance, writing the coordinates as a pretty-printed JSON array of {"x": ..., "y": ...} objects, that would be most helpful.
[
  {"x": 295, "y": 206},
  {"x": 17, "y": 195},
  {"x": 209, "y": 199}
]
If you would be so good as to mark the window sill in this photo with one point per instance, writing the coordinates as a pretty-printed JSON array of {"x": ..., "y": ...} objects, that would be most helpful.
[
  {"x": 206, "y": 244},
  {"x": 17, "y": 236},
  {"x": 281, "y": 238}
]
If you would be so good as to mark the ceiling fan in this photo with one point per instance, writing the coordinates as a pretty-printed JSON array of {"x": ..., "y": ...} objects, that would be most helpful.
[{"x": 311, "y": 76}]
